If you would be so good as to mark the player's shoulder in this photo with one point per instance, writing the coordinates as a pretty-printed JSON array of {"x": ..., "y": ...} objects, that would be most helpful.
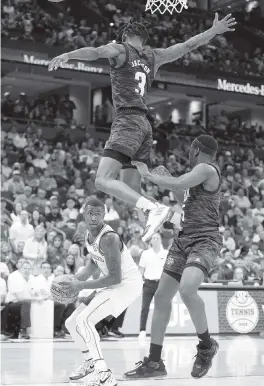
[
  {"x": 207, "y": 169},
  {"x": 108, "y": 240},
  {"x": 118, "y": 46}
]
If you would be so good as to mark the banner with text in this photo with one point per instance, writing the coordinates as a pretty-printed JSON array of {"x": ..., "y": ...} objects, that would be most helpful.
[{"x": 240, "y": 312}]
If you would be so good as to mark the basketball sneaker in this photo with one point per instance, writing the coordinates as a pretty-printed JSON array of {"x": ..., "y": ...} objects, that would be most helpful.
[
  {"x": 156, "y": 217},
  {"x": 87, "y": 367},
  {"x": 147, "y": 369},
  {"x": 102, "y": 378},
  {"x": 203, "y": 360}
]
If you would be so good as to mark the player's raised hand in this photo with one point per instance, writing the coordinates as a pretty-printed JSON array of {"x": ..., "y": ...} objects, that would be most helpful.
[
  {"x": 56, "y": 62},
  {"x": 224, "y": 25},
  {"x": 142, "y": 168}
]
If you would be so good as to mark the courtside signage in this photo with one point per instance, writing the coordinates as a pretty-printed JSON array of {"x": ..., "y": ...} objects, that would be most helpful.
[
  {"x": 249, "y": 89},
  {"x": 242, "y": 312},
  {"x": 77, "y": 66}
]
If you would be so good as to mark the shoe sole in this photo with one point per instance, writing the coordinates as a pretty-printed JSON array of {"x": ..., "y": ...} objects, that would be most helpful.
[
  {"x": 167, "y": 218},
  {"x": 78, "y": 378},
  {"x": 146, "y": 377},
  {"x": 206, "y": 371}
]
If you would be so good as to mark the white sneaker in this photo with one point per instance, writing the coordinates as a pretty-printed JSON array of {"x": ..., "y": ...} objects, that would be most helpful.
[
  {"x": 83, "y": 370},
  {"x": 102, "y": 378},
  {"x": 142, "y": 336},
  {"x": 157, "y": 216}
]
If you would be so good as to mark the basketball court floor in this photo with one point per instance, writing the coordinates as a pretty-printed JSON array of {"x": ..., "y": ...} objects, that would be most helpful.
[{"x": 240, "y": 362}]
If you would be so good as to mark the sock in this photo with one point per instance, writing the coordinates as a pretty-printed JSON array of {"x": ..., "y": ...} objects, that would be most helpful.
[
  {"x": 86, "y": 355},
  {"x": 100, "y": 365},
  {"x": 205, "y": 341},
  {"x": 155, "y": 352},
  {"x": 144, "y": 204},
  {"x": 88, "y": 330}
]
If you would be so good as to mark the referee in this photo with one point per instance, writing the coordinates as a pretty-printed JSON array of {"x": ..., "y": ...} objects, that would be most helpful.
[{"x": 151, "y": 267}]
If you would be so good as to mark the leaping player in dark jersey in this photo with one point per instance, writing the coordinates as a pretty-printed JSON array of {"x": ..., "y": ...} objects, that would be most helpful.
[
  {"x": 192, "y": 255},
  {"x": 133, "y": 68}
]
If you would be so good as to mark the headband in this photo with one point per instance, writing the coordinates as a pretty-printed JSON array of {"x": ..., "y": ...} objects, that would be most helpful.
[{"x": 205, "y": 149}]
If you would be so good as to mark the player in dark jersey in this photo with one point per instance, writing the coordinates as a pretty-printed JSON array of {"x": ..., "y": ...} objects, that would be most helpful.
[
  {"x": 192, "y": 255},
  {"x": 133, "y": 68}
]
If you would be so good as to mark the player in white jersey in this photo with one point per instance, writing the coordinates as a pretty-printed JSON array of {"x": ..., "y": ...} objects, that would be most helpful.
[{"x": 119, "y": 285}]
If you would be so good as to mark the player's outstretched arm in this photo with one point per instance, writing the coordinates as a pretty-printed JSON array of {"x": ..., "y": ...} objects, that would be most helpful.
[
  {"x": 198, "y": 175},
  {"x": 111, "y": 50},
  {"x": 170, "y": 54},
  {"x": 110, "y": 246}
]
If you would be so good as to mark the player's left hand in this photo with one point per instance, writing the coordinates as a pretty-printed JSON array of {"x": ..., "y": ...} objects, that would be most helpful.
[
  {"x": 73, "y": 286},
  {"x": 224, "y": 25},
  {"x": 142, "y": 168}
]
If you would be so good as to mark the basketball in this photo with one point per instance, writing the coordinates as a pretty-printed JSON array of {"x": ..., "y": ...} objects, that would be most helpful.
[{"x": 57, "y": 292}]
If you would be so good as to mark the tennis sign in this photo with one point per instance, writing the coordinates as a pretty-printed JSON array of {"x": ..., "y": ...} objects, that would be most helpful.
[
  {"x": 242, "y": 312},
  {"x": 224, "y": 85}
]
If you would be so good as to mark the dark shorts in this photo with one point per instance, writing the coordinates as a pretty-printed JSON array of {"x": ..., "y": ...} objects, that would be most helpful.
[
  {"x": 186, "y": 251},
  {"x": 131, "y": 134}
]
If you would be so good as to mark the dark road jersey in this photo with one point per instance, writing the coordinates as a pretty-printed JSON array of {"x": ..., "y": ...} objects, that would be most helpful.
[
  {"x": 200, "y": 210},
  {"x": 132, "y": 81}
]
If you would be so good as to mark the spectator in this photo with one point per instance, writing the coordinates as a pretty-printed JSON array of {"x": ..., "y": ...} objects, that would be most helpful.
[
  {"x": 55, "y": 251},
  {"x": 4, "y": 315},
  {"x": 24, "y": 198},
  {"x": 20, "y": 231},
  {"x": 42, "y": 282},
  {"x": 238, "y": 275},
  {"x": 250, "y": 271},
  {"x": 18, "y": 299},
  {"x": 16, "y": 216},
  {"x": 226, "y": 267},
  {"x": 213, "y": 276},
  {"x": 151, "y": 267},
  {"x": 69, "y": 266},
  {"x": 74, "y": 250},
  {"x": 15, "y": 184},
  {"x": 228, "y": 241},
  {"x": 241, "y": 200},
  {"x": 70, "y": 213},
  {"x": 79, "y": 235},
  {"x": 35, "y": 249}
]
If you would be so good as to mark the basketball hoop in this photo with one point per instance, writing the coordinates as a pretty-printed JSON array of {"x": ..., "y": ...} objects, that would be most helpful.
[{"x": 166, "y": 5}]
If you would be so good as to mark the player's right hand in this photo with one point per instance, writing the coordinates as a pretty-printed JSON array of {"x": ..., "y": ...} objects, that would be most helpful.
[
  {"x": 59, "y": 60},
  {"x": 224, "y": 25}
]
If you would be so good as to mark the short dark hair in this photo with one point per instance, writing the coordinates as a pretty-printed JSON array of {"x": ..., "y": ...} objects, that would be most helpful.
[
  {"x": 92, "y": 201},
  {"x": 207, "y": 144},
  {"x": 132, "y": 28},
  {"x": 43, "y": 263}
]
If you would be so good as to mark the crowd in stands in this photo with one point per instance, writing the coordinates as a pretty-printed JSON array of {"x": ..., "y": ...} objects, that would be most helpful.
[
  {"x": 44, "y": 184},
  {"x": 21, "y": 20}
]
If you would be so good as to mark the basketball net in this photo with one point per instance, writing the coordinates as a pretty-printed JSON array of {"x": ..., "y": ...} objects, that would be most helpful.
[{"x": 162, "y": 6}]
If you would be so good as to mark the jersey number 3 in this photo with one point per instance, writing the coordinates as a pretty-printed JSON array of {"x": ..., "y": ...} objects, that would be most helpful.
[{"x": 141, "y": 78}]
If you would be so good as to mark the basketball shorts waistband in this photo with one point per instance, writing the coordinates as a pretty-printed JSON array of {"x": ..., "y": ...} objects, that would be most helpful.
[{"x": 128, "y": 111}]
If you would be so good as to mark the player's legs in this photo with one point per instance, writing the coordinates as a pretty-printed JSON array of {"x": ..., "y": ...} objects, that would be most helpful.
[
  {"x": 87, "y": 366},
  {"x": 131, "y": 177},
  {"x": 201, "y": 258},
  {"x": 130, "y": 138},
  {"x": 82, "y": 325},
  {"x": 192, "y": 278},
  {"x": 167, "y": 289}
]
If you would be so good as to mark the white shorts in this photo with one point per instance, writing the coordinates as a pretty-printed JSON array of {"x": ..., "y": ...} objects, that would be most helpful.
[{"x": 120, "y": 296}]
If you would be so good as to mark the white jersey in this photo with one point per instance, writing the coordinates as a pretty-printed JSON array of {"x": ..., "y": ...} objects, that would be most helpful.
[{"x": 128, "y": 266}]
